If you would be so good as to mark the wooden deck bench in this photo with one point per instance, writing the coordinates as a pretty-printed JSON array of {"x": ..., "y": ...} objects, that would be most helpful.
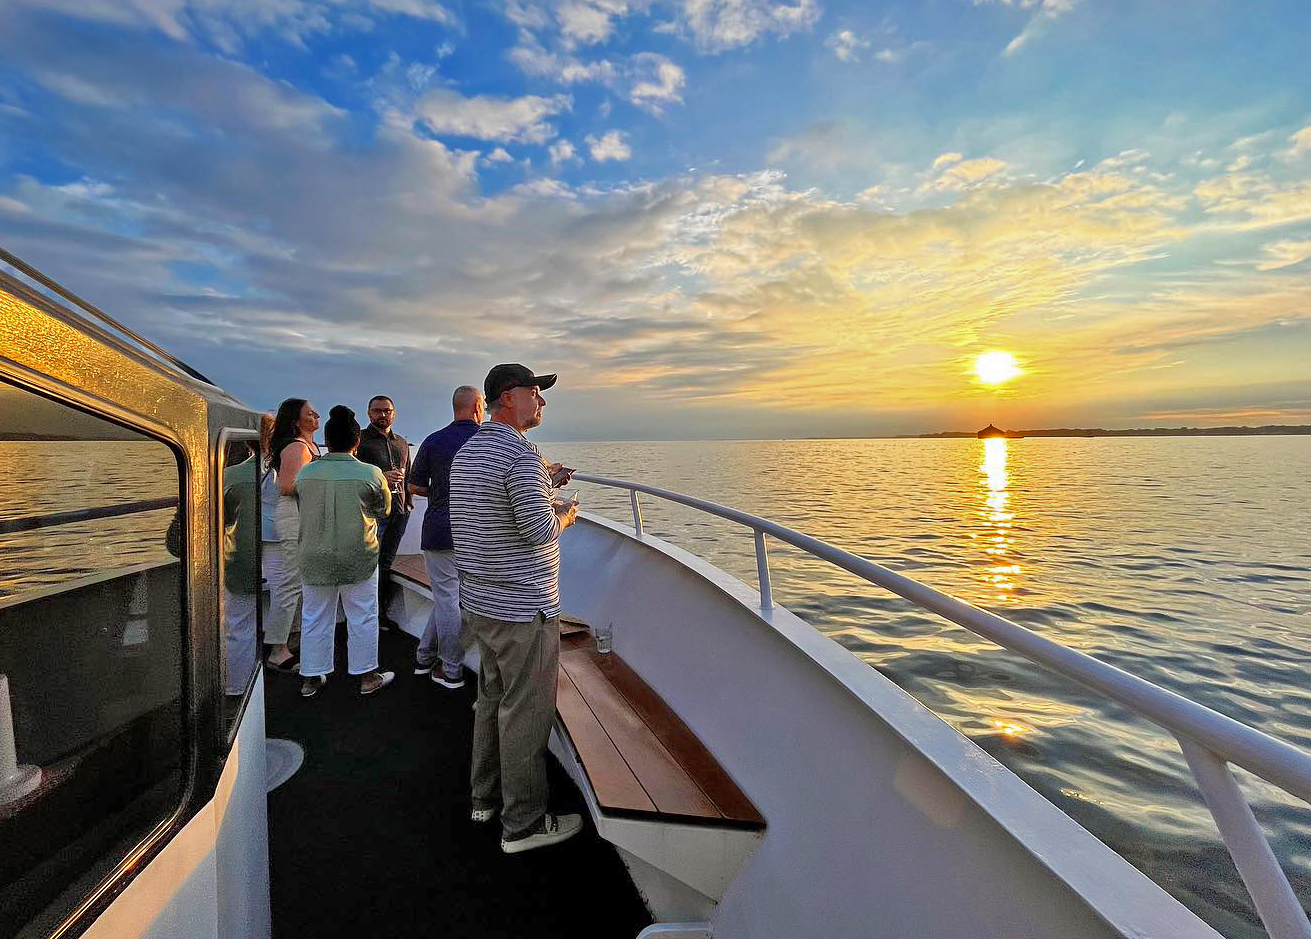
[{"x": 641, "y": 760}]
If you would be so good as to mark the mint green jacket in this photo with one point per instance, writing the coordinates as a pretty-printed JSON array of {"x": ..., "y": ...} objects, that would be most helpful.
[
  {"x": 241, "y": 518},
  {"x": 341, "y": 500}
]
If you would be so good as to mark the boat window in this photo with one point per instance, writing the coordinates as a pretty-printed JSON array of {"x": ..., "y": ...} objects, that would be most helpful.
[
  {"x": 92, "y": 741},
  {"x": 244, "y": 476}
]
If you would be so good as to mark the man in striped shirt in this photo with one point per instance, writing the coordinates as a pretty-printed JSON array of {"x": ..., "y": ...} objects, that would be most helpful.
[{"x": 506, "y": 531}]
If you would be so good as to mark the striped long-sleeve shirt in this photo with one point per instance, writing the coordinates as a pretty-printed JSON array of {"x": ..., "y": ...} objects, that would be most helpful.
[{"x": 507, "y": 536}]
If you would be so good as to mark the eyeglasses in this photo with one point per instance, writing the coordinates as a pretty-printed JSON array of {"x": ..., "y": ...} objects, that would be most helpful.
[{"x": 382, "y": 410}]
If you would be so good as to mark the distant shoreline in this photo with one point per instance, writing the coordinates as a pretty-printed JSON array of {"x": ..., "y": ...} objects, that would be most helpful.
[{"x": 1264, "y": 430}]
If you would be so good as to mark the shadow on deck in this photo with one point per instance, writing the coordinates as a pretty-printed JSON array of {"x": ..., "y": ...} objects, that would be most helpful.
[{"x": 372, "y": 836}]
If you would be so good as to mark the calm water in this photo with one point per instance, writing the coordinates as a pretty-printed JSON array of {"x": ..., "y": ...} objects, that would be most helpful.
[
  {"x": 43, "y": 476},
  {"x": 1186, "y": 561}
]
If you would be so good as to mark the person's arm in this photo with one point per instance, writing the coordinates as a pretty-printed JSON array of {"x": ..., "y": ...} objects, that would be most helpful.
[
  {"x": 529, "y": 487},
  {"x": 294, "y": 457},
  {"x": 420, "y": 473}
]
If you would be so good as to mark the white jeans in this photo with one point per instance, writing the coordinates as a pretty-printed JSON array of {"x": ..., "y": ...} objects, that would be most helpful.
[
  {"x": 239, "y": 639},
  {"x": 440, "y": 645},
  {"x": 319, "y": 626},
  {"x": 282, "y": 571}
]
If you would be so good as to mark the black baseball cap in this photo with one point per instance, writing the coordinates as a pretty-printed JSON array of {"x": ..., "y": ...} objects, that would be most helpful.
[{"x": 506, "y": 377}]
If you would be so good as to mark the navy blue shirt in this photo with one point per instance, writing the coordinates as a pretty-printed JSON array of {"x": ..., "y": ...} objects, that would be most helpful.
[{"x": 432, "y": 469}]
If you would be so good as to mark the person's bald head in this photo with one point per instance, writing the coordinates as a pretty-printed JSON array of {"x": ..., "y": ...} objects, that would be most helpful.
[{"x": 467, "y": 402}]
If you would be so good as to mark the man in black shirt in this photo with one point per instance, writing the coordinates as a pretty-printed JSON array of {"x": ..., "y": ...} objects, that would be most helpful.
[{"x": 384, "y": 448}]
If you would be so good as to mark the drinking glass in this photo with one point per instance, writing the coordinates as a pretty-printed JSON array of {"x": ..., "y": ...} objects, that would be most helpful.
[{"x": 602, "y": 636}]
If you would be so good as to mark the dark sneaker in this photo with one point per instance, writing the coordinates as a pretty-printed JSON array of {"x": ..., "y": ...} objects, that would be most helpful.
[
  {"x": 375, "y": 681},
  {"x": 310, "y": 686},
  {"x": 439, "y": 677},
  {"x": 422, "y": 669},
  {"x": 553, "y": 830}
]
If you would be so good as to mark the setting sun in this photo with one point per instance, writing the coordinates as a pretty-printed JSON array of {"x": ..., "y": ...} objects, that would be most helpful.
[{"x": 993, "y": 368}]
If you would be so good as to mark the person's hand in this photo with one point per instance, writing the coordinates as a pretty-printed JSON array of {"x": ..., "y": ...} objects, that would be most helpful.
[
  {"x": 560, "y": 474},
  {"x": 567, "y": 513},
  {"x": 393, "y": 477}
]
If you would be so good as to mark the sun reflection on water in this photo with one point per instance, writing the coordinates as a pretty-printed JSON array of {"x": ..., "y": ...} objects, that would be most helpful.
[{"x": 998, "y": 534}]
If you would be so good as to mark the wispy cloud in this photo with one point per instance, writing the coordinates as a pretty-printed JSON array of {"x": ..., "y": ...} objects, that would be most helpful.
[{"x": 846, "y": 45}]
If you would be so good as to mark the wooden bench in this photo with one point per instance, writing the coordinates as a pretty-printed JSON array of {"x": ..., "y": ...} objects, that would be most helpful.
[{"x": 641, "y": 760}]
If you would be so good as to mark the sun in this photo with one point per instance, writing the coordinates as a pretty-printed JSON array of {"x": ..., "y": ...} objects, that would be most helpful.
[{"x": 993, "y": 368}]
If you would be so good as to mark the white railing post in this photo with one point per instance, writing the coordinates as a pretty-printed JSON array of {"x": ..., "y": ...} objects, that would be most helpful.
[
  {"x": 1275, "y": 901},
  {"x": 762, "y": 569},
  {"x": 16, "y": 780},
  {"x": 637, "y": 513}
]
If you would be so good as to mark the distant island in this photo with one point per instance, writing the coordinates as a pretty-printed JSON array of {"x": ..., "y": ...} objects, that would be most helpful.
[{"x": 991, "y": 431}]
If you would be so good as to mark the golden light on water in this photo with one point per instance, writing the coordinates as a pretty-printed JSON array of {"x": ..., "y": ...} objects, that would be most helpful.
[
  {"x": 993, "y": 368},
  {"x": 998, "y": 518}
]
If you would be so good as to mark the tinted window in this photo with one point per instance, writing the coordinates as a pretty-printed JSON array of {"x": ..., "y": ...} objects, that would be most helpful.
[
  {"x": 91, "y": 644},
  {"x": 239, "y": 505}
]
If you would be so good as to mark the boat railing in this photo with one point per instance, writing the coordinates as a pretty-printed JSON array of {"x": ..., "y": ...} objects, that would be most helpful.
[
  {"x": 9, "y": 526},
  {"x": 1210, "y": 741}
]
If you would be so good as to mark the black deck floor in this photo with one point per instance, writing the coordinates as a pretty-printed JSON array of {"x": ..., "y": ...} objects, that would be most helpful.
[{"x": 372, "y": 836}]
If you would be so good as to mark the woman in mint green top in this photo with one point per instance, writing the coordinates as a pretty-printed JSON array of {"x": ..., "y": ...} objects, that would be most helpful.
[{"x": 341, "y": 500}]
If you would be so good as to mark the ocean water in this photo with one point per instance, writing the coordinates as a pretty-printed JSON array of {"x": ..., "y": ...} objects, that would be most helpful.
[{"x": 1184, "y": 560}]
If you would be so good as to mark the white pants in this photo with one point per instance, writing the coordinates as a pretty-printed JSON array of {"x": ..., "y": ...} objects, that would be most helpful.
[
  {"x": 440, "y": 644},
  {"x": 239, "y": 639},
  {"x": 282, "y": 570},
  {"x": 319, "y": 626}
]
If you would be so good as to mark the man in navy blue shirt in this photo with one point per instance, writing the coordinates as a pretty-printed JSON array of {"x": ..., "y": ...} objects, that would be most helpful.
[{"x": 440, "y": 651}]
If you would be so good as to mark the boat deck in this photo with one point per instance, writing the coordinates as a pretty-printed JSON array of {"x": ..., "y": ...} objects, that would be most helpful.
[{"x": 372, "y": 836}]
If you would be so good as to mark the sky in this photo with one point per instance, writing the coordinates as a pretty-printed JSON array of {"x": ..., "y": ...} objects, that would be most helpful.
[{"x": 712, "y": 218}]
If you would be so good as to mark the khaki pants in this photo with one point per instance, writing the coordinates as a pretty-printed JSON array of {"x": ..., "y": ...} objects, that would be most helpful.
[{"x": 513, "y": 717}]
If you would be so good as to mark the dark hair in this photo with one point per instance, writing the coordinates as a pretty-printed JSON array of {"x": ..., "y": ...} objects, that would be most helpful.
[
  {"x": 285, "y": 428},
  {"x": 381, "y": 398},
  {"x": 342, "y": 432},
  {"x": 236, "y": 452}
]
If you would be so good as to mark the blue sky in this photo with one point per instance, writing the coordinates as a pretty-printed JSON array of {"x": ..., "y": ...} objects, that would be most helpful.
[{"x": 714, "y": 218}]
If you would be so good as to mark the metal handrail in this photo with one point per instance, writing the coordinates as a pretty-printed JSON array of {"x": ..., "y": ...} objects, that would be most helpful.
[
  {"x": 1209, "y": 740},
  {"x": 8, "y": 526}
]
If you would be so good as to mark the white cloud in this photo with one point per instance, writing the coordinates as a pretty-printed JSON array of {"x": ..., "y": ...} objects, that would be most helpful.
[
  {"x": 484, "y": 117},
  {"x": 962, "y": 174},
  {"x": 1300, "y": 144},
  {"x": 663, "y": 86},
  {"x": 846, "y": 45},
  {"x": 562, "y": 151},
  {"x": 229, "y": 24},
  {"x": 947, "y": 159},
  {"x": 499, "y": 155},
  {"x": 612, "y": 145},
  {"x": 717, "y": 25},
  {"x": 587, "y": 22},
  {"x": 1045, "y": 11},
  {"x": 1284, "y": 254}
]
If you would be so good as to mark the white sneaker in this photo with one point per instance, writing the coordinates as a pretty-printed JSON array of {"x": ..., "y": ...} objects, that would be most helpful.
[
  {"x": 555, "y": 828},
  {"x": 440, "y": 678},
  {"x": 482, "y": 815}
]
